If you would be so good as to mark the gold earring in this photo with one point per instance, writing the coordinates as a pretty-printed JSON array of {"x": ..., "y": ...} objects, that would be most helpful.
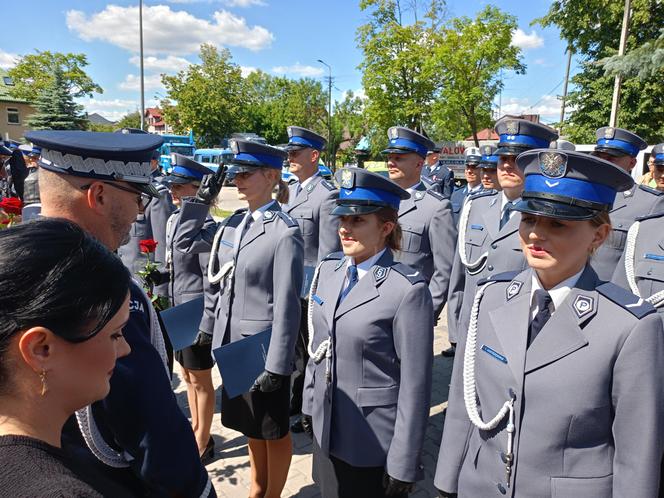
[{"x": 42, "y": 377}]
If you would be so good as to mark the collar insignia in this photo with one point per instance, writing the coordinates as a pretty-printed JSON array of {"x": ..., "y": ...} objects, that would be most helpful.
[
  {"x": 583, "y": 305},
  {"x": 380, "y": 272},
  {"x": 268, "y": 215},
  {"x": 513, "y": 289},
  {"x": 419, "y": 195}
]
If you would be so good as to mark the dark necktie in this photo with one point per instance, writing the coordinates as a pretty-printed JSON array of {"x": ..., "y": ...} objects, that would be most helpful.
[
  {"x": 507, "y": 210},
  {"x": 351, "y": 274},
  {"x": 543, "y": 300}
]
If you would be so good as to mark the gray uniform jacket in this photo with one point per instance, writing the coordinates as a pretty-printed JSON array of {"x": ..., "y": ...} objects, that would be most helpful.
[
  {"x": 483, "y": 235},
  {"x": 188, "y": 274},
  {"x": 149, "y": 225},
  {"x": 264, "y": 290},
  {"x": 312, "y": 210},
  {"x": 628, "y": 206},
  {"x": 428, "y": 240},
  {"x": 646, "y": 260},
  {"x": 588, "y": 398},
  {"x": 374, "y": 410}
]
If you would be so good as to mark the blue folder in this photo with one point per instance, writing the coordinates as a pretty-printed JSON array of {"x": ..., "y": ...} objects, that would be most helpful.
[
  {"x": 182, "y": 321},
  {"x": 240, "y": 362}
]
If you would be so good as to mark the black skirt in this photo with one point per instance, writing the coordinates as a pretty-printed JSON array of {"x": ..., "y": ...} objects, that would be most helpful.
[
  {"x": 338, "y": 479},
  {"x": 258, "y": 415},
  {"x": 195, "y": 357}
]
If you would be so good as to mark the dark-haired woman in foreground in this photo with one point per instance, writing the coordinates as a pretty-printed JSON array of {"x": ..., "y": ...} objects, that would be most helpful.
[
  {"x": 62, "y": 310},
  {"x": 557, "y": 389}
]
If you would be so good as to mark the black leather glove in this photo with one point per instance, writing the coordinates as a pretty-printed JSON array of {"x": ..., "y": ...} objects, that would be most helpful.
[
  {"x": 445, "y": 494},
  {"x": 202, "y": 339},
  {"x": 306, "y": 425},
  {"x": 268, "y": 382},
  {"x": 211, "y": 186},
  {"x": 395, "y": 487},
  {"x": 157, "y": 277}
]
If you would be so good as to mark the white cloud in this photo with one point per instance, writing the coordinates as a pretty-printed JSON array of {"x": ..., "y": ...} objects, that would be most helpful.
[
  {"x": 166, "y": 31},
  {"x": 247, "y": 70},
  {"x": 133, "y": 82},
  {"x": 7, "y": 60},
  {"x": 299, "y": 69},
  {"x": 170, "y": 64},
  {"x": 526, "y": 41},
  {"x": 548, "y": 106},
  {"x": 244, "y": 3},
  {"x": 113, "y": 109}
]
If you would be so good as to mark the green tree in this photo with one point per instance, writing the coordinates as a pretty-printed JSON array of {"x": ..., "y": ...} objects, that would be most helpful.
[
  {"x": 209, "y": 98},
  {"x": 592, "y": 29},
  {"x": 348, "y": 127},
  {"x": 130, "y": 120},
  {"x": 643, "y": 62},
  {"x": 398, "y": 75},
  {"x": 274, "y": 103},
  {"x": 56, "y": 109},
  {"x": 468, "y": 58},
  {"x": 35, "y": 72}
]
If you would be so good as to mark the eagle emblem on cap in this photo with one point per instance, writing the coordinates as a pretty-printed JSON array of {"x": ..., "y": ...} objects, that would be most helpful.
[
  {"x": 346, "y": 179},
  {"x": 512, "y": 127},
  {"x": 609, "y": 132},
  {"x": 393, "y": 133},
  {"x": 553, "y": 164},
  {"x": 232, "y": 144},
  {"x": 289, "y": 130},
  {"x": 486, "y": 150}
]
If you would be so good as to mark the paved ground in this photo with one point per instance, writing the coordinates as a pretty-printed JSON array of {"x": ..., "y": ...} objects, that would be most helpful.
[{"x": 230, "y": 471}]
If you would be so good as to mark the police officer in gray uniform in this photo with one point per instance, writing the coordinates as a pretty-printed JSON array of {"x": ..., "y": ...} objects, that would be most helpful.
[
  {"x": 555, "y": 390},
  {"x": 429, "y": 232},
  {"x": 488, "y": 241},
  {"x": 310, "y": 203},
  {"x": 621, "y": 147},
  {"x": 488, "y": 168},
  {"x": 473, "y": 181},
  {"x": 437, "y": 176},
  {"x": 150, "y": 224},
  {"x": 368, "y": 381},
  {"x": 257, "y": 261}
]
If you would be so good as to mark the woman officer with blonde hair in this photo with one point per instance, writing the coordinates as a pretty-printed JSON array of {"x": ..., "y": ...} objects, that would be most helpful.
[{"x": 555, "y": 390}]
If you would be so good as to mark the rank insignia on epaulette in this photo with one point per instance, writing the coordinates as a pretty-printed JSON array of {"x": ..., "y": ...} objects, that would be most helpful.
[
  {"x": 609, "y": 132},
  {"x": 347, "y": 178},
  {"x": 512, "y": 127},
  {"x": 310, "y": 187},
  {"x": 583, "y": 305},
  {"x": 513, "y": 289},
  {"x": 380, "y": 272},
  {"x": 553, "y": 164}
]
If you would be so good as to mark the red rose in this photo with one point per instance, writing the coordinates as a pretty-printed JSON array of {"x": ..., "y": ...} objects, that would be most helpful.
[
  {"x": 147, "y": 245},
  {"x": 11, "y": 205}
]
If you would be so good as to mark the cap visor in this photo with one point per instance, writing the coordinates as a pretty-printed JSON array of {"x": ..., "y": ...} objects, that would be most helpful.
[
  {"x": 177, "y": 180},
  {"x": 510, "y": 151},
  {"x": 351, "y": 209},
  {"x": 488, "y": 166},
  {"x": 610, "y": 151},
  {"x": 242, "y": 168},
  {"x": 146, "y": 188},
  {"x": 295, "y": 147},
  {"x": 552, "y": 209},
  {"x": 399, "y": 150}
]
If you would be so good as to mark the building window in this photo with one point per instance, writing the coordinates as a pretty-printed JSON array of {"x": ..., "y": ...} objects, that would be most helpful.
[{"x": 13, "y": 116}]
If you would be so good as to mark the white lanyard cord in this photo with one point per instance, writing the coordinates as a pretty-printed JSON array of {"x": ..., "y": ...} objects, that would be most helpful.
[
  {"x": 657, "y": 299},
  {"x": 474, "y": 267}
]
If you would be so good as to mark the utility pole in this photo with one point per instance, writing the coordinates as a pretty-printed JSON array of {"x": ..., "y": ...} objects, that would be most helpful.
[
  {"x": 562, "y": 104},
  {"x": 329, "y": 113},
  {"x": 615, "y": 103},
  {"x": 140, "y": 29}
]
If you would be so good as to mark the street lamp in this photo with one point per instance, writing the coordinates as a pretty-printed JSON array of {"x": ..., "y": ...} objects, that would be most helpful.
[
  {"x": 329, "y": 113},
  {"x": 140, "y": 29}
]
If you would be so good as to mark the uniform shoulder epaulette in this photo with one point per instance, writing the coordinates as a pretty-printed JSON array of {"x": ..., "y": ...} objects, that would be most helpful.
[
  {"x": 327, "y": 184},
  {"x": 290, "y": 222},
  {"x": 411, "y": 274},
  {"x": 161, "y": 188},
  {"x": 506, "y": 276},
  {"x": 651, "y": 190},
  {"x": 334, "y": 256},
  {"x": 427, "y": 181},
  {"x": 650, "y": 216},
  {"x": 482, "y": 193},
  {"x": 625, "y": 299},
  {"x": 438, "y": 196}
]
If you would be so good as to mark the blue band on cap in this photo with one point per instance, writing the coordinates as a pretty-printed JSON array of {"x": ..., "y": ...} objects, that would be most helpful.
[
  {"x": 365, "y": 194},
  {"x": 628, "y": 147},
  {"x": 490, "y": 159},
  {"x": 408, "y": 144},
  {"x": 570, "y": 187},
  {"x": 526, "y": 140},
  {"x": 306, "y": 141},
  {"x": 267, "y": 160},
  {"x": 184, "y": 171},
  {"x": 659, "y": 157}
]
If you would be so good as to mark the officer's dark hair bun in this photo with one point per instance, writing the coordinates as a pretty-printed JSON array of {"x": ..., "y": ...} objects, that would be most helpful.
[{"x": 53, "y": 274}]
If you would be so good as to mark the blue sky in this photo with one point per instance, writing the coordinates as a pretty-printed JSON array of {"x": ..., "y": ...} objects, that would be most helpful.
[{"x": 284, "y": 37}]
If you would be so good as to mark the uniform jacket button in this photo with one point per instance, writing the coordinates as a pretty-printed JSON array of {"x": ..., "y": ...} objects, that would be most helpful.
[
  {"x": 503, "y": 457},
  {"x": 494, "y": 246},
  {"x": 501, "y": 488},
  {"x": 490, "y": 268}
]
